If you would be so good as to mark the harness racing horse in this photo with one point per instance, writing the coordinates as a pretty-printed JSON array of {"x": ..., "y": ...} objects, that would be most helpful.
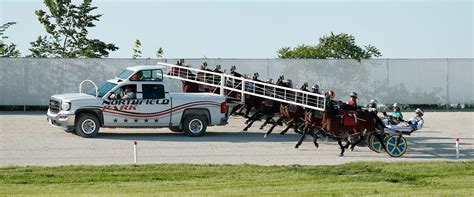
[
  {"x": 204, "y": 77},
  {"x": 292, "y": 113},
  {"x": 185, "y": 73},
  {"x": 215, "y": 79},
  {"x": 250, "y": 100},
  {"x": 312, "y": 122},
  {"x": 268, "y": 107},
  {"x": 237, "y": 84},
  {"x": 339, "y": 124},
  {"x": 312, "y": 125}
]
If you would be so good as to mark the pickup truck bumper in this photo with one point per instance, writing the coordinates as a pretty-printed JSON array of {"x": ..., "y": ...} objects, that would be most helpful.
[{"x": 62, "y": 120}]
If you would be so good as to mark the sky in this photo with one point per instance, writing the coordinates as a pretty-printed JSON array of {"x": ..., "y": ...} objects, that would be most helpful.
[{"x": 257, "y": 29}]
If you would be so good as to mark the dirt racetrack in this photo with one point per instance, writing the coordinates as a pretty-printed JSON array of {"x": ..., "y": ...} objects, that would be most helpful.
[{"x": 27, "y": 139}]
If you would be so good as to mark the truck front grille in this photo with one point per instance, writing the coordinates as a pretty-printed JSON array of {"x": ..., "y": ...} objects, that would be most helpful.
[{"x": 54, "y": 106}]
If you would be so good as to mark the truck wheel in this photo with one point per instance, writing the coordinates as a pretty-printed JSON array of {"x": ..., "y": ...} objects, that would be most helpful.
[
  {"x": 194, "y": 125},
  {"x": 175, "y": 129},
  {"x": 87, "y": 125}
]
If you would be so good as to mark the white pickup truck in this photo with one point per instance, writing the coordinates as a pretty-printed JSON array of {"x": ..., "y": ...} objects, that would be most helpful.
[{"x": 136, "y": 98}]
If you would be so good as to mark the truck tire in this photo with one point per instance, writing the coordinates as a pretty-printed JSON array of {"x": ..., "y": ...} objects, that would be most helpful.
[
  {"x": 87, "y": 125},
  {"x": 194, "y": 125},
  {"x": 176, "y": 129}
]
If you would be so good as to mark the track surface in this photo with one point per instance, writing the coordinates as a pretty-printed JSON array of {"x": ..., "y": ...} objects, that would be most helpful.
[{"x": 27, "y": 139}]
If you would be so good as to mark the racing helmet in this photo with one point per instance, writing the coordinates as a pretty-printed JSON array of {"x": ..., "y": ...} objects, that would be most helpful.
[
  {"x": 256, "y": 75},
  {"x": 233, "y": 68},
  {"x": 289, "y": 82},
  {"x": 353, "y": 95},
  {"x": 315, "y": 88},
  {"x": 331, "y": 94},
  {"x": 373, "y": 103},
  {"x": 204, "y": 65},
  {"x": 396, "y": 105},
  {"x": 418, "y": 110}
]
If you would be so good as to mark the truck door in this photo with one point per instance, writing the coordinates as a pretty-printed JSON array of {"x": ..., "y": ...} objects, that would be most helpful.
[
  {"x": 123, "y": 107},
  {"x": 156, "y": 104}
]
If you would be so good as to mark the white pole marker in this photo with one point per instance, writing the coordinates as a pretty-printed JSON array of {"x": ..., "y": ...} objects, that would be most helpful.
[
  {"x": 135, "y": 152},
  {"x": 457, "y": 148}
]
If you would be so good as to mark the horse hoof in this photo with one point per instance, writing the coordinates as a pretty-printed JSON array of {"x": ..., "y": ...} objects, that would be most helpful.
[
  {"x": 341, "y": 155},
  {"x": 282, "y": 133},
  {"x": 261, "y": 128},
  {"x": 316, "y": 144},
  {"x": 296, "y": 146},
  {"x": 352, "y": 149},
  {"x": 265, "y": 135},
  {"x": 245, "y": 129}
]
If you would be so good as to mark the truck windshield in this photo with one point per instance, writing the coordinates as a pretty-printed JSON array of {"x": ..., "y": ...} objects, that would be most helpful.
[
  {"x": 103, "y": 89},
  {"x": 125, "y": 74}
]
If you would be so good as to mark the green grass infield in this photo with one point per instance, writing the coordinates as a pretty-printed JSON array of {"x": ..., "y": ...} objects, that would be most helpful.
[{"x": 361, "y": 178}]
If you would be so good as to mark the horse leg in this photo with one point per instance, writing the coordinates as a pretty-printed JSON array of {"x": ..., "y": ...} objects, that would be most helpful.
[
  {"x": 357, "y": 142},
  {"x": 287, "y": 128},
  {"x": 305, "y": 132},
  {"x": 234, "y": 110},
  {"x": 339, "y": 141},
  {"x": 239, "y": 111},
  {"x": 267, "y": 120},
  {"x": 315, "y": 138},
  {"x": 295, "y": 127},
  {"x": 348, "y": 143},
  {"x": 273, "y": 126},
  {"x": 254, "y": 118},
  {"x": 247, "y": 111}
]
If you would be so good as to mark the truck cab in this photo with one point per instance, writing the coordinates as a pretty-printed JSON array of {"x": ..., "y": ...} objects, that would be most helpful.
[{"x": 136, "y": 98}]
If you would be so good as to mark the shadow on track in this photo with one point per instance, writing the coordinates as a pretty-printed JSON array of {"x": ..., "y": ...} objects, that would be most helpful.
[{"x": 238, "y": 137}]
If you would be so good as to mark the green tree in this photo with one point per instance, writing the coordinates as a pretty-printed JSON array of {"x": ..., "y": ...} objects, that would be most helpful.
[
  {"x": 159, "y": 53},
  {"x": 67, "y": 27},
  {"x": 340, "y": 46},
  {"x": 7, "y": 50},
  {"x": 136, "y": 52}
]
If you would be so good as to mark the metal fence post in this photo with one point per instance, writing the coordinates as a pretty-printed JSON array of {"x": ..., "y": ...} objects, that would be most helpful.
[
  {"x": 242, "y": 95},
  {"x": 222, "y": 84}
]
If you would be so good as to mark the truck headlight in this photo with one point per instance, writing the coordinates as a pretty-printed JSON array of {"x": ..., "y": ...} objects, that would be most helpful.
[{"x": 66, "y": 106}]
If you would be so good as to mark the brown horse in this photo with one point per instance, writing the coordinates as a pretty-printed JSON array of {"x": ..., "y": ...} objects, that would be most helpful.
[
  {"x": 268, "y": 107},
  {"x": 292, "y": 113},
  {"x": 312, "y": 126},
  {"x": 215, "y": 79},
  {"x": 338, "y": 124},
  {"x": 251, "y": 102}
]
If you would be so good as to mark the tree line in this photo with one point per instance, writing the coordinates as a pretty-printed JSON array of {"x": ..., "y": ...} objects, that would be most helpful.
[{"x": 67, "y": 26}]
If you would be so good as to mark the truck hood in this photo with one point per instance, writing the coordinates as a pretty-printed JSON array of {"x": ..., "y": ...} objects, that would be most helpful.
[{"x": 73, "y": 96}]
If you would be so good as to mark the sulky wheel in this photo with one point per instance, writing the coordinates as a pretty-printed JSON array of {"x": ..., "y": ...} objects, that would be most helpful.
[
  {"x": 374, "y": 143},
  {"x": 396, "y": 145}
]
